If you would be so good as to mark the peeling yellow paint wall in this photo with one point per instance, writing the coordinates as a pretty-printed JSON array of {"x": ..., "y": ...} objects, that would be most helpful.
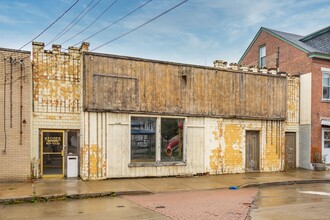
[
  {"x": 56, "y": 79},
  {"x": 233, "y": 156},
  {"x": 293, "y": 100},
  {"x": 226, "y": 145},
  {"x": 274, "y": 147},
  {"x": 93, "y": 151},
  {"x": 56, "y": 91},
  {"x": 293, "y": 114}
]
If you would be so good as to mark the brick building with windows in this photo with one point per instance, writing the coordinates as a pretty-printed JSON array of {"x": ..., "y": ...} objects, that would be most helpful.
[{"x": 309, "y": 58}]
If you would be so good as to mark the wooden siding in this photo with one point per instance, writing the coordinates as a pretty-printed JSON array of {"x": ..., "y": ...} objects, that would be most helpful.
[
  {"x": 125, "y": 84},
  {"x": 212, "y": 145},
  {"x": 106, "y": 149}
]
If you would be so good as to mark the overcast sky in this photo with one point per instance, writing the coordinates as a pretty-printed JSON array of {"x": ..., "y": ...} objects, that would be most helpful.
[{"x": 196, "y": 32}]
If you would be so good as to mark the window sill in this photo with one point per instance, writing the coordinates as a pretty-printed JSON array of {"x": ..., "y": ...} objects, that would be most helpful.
[
  {"x": 156, "y": 164},
  {"x": 325, "y": 100}
]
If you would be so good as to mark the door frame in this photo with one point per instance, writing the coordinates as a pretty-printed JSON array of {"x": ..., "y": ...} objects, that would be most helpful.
[{"x": 42, "y": 152}]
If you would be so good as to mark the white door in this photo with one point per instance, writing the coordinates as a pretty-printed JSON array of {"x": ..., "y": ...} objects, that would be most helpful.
[{"x": 326, "y": 144}]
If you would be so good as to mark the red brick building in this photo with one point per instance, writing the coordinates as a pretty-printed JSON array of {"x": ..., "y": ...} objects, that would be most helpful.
[{"x": 309, "y": 57}]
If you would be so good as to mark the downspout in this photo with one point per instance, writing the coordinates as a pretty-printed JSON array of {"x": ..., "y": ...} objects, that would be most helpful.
[
  {"x": 11, "y": 92},
  {"x": 4, "y": 105},
  {"x": 21, "y": 104}
]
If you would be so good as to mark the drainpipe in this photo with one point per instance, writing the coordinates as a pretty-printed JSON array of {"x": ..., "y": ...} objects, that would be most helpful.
[{"x": 4, "y": 105}]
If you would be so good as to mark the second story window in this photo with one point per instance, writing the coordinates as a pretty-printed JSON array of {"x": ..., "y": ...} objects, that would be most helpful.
[
  {"x": 326, "y": 86},
  {"x": 262, "y": 56}
]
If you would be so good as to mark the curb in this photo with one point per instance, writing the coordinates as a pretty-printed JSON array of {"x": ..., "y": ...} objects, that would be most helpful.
[
  {"x": 282, "y": 183},
  {"x": 63, "y": 197}
]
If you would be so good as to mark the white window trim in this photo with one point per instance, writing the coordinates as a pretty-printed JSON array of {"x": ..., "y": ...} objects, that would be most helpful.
[
  {"x": 158, "y": 161},
  {"x": 259, "y": 55},
  {"x": 325, "y": 72},
  {"x": 324, "y": 130}
]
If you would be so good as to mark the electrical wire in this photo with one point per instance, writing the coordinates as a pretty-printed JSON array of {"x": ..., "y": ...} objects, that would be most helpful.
[
  {"x": 50, "y": 25},
  {"x": 149, "y": 21},
  {"x": 74, "y": 21},
  {"x": 138, "y": 27},
  {"x": 91, "y": 23},
  {"x": 138, "y": 8}
]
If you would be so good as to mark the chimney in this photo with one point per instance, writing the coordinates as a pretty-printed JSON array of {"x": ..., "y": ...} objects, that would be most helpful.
[
  {"x": 56, "y": 48},
  {"x": 38, "y": 47},
  {"x": 84, "y": 47}
]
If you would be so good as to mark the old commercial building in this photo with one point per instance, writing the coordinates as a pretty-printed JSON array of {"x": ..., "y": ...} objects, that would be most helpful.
[
  {"x": 15, "y": 113},
  {"x": 153, "y": 118},
  {"x": 56, "y": 109},
  {"x": 110, "y": 116},
  {"x": 307, "y": 57}
]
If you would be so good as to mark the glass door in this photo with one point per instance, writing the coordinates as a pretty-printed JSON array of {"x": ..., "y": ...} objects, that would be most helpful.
[{"x": 52, "y": 152}]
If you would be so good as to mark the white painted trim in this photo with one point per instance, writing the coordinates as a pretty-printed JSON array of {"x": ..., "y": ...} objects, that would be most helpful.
[
  {"x": 195, "y": 126},
  {"x": 325, "y": 69},
  {"x": 323, "y": 149}
]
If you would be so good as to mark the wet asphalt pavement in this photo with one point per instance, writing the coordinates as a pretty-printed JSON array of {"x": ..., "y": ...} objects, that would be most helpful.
[{"x": 307, "y": 201}]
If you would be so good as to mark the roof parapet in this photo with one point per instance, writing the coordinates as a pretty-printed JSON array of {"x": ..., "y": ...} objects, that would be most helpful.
[
  {"x": 56, "y": 48},
  {"x": 220, "y": 64}
]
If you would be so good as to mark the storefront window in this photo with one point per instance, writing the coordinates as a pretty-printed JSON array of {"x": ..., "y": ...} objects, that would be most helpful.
[
  {"x": 143, "y": 139},
  {"x": 172, "y": 139},
  {"x": 147, "y": 139}
]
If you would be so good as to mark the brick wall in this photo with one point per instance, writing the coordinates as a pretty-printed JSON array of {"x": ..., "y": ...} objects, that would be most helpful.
[
  {"x": 292, "y": 60},
  {"x": 320, "y": 109},
  {"x": 15, "y": 128},
  {"x": 56, "y": 92}
]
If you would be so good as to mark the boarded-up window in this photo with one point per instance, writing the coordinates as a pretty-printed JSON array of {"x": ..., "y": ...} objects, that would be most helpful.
[{"x": 115, "y": 92}]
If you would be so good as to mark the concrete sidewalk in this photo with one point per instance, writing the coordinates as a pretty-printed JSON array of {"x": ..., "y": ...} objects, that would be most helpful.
[{"x": 52, "y": 189}]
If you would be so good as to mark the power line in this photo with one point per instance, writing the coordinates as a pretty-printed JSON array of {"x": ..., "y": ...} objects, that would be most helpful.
[
  {"x": 138, "y": 8},
  {"x": 138, "y": 27},
  {"x": 91, "y": 23},
  {"x": 72, "y": 24},
  {"x": 50, "y": 25}
]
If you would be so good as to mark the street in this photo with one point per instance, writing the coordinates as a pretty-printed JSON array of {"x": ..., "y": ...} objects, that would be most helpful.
[
  {"x": 200, "y": 204},
  {"x": 310, "y": 201}
]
